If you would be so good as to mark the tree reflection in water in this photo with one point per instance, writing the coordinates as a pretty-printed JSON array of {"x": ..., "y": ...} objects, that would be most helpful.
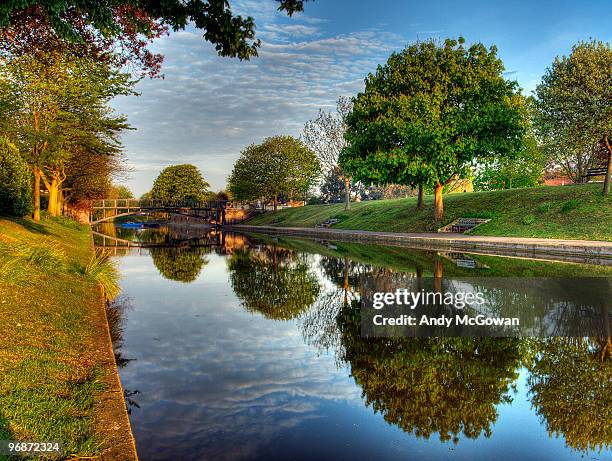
[
  {"x": 178, "y": 257},
  {"x": 274, "y": 281},
  {"x": 181, "y": 264},
  {"x": 570, "y": 385},
  {"x": 450, "y": 386}
]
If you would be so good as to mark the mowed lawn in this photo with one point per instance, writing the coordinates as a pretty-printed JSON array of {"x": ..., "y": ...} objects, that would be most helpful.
[
  {"x": 47, "y": 354},
  {"x": 566, "y": 212}
]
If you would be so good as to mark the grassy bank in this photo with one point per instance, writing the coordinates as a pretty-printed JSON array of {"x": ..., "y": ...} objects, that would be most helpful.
[
  {"x": 49, "y": 293},
  {"x": 565, "y": 212}
]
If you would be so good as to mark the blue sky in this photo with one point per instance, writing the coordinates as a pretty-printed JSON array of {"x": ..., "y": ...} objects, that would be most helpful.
[{"x": 207, "y": 108}]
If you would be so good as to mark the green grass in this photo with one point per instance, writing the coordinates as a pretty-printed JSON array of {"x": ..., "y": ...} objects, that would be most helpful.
[
  {"x": 49, "y": 287},
  {"x": 565, "y": 212}
]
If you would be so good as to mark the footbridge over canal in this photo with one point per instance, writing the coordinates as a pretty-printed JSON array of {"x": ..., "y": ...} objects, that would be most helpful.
[{"x": 212, "y": 211}]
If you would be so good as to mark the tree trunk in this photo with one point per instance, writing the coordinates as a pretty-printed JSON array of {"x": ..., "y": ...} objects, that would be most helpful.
[
  {"x": 60, "y": 202},
  {"x": 53, "y": 197},
  {"x": 439, "y": 205},
  {"x": 275, "y": 203},
  {"x": 36, "y": 214},
  {"x": 347, "y": 193},
  {"x": 420, "y": 199},
  {"x": 606, "y": 189}
]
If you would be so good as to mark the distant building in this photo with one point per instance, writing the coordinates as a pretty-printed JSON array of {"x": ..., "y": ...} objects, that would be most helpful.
[{"x": 555, "y": 178}]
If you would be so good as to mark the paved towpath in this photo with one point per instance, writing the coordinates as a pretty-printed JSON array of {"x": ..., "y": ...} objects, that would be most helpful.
[{"x": 579, "y": 250}]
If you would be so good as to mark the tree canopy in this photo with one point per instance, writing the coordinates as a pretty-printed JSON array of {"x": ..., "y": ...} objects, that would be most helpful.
[
  {"x": 429, "y": 113},
  {"x": 523, "y": 170},
  {"x": 574, "y": 108},
  {"x": 281, "y": 165},
  {"x": 122, "y": 28},
  {"x": 55, "y": 106},
  {"x": 180, "y": 183}
]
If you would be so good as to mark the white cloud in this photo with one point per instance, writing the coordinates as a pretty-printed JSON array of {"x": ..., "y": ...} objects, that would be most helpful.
[{"x": 208, "y": 108}]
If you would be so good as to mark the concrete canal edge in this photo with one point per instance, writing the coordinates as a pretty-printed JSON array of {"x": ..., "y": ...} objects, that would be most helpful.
[
  {"x": 580, "y": 251},
  {"x": 112, "y": 422}
]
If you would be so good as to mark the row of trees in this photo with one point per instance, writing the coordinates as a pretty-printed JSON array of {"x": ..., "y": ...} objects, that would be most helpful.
[
  {"x": 437, "y": 112},
  {"x": 62, "y": 61}
]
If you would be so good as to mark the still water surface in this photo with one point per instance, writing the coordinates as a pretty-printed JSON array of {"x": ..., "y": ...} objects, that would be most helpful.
[{"x": 236, "y": 348}]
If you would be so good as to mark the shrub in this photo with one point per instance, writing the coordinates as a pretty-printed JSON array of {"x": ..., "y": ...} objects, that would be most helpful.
[
  {"x": 570, "y": 205},
  {"x": 15, "y": 181},
  {"x": 545, "y": 207},
  {"x": 528, "y": 219}
]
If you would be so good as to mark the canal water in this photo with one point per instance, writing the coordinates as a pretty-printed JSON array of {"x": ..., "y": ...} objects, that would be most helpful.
[{"x": 235, "y": 347}]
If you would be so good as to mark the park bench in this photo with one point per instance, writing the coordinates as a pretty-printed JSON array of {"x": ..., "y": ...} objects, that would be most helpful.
[
  {"x": 593, "y": 172},
  {"x": 328, "y": 223}
]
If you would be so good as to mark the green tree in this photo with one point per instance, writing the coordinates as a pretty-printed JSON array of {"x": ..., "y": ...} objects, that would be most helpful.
[
  {"x": 273, "y": 281},
  {"x": 574, "y": 107},
  {"x": 54, "y": 105},
  {"x": 281, "y": 165},
  {"x": 523, "y": 170},
  {"x": 15, "y": 181},
  {"x": 120, "y": 192},
  {"x": 429, "y": 113},
  {"x": 180, "y": 183}
]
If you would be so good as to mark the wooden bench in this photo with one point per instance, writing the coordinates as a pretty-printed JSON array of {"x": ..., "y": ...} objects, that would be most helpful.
[{"x": 593, "y": 172}]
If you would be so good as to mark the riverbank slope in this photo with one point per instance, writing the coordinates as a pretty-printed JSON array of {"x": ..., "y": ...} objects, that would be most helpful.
[
  {"x": 59, "y": 378},
  {"x": 576, "y": 212}
]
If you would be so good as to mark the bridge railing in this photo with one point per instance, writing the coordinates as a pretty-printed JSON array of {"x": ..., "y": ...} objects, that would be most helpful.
[
  {"x": 111, "y": 204},
  {"x": 108, "y": 204}
]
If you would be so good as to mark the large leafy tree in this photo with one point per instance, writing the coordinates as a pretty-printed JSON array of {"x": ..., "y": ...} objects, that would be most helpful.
[
  {"x": 429, "y": 113},
  {"x": 121, "y": 29},
  {"x": 574, "y": 108},
  {"x": 89, "y": 176},
  {"x": 180, "y": 183},
  {"x": 54, "y": 105},
  {"x": 281, "y": 165}
]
